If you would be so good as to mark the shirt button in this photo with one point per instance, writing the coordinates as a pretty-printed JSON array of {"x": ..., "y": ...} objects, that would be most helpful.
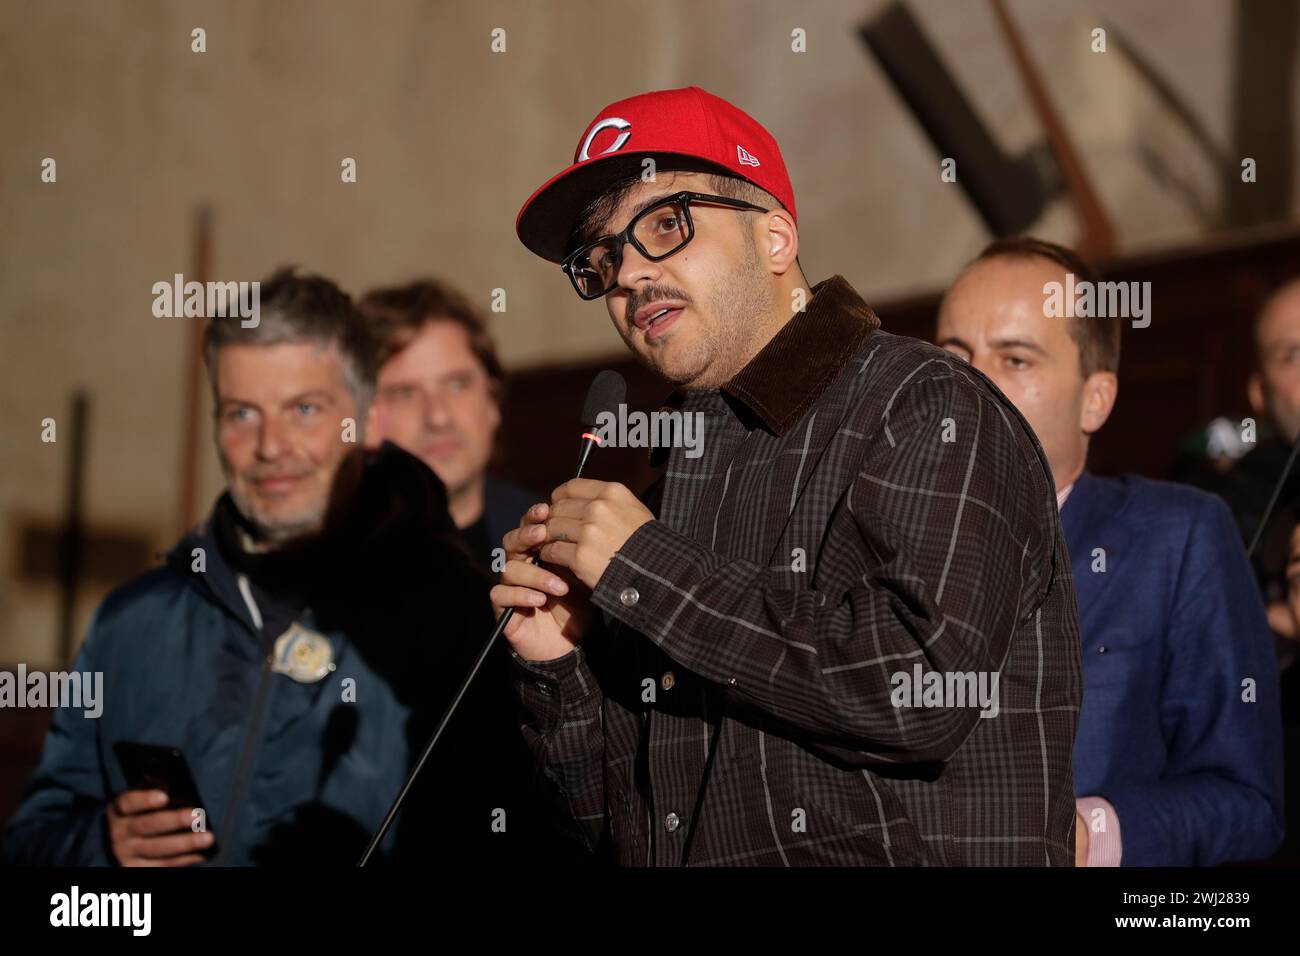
[
  {"x": 672, "y": 822},
  {"x": 629, "y": 597},
  {"x": 668, "y": 680},
  {"x": 544, "y": 688}
]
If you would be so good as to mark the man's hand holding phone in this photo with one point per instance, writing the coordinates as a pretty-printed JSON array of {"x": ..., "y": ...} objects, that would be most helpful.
[{"x": 142, "y": 833}]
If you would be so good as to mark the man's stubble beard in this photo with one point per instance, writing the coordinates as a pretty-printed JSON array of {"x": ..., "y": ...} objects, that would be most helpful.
[
  {"x": 312, "y": 520},
  {"x": 277, "y": 533},
  {"x": 742, "y": 304},
  {"x": 1284, "y": 416},
  {"x": 1288, "y": 425}
]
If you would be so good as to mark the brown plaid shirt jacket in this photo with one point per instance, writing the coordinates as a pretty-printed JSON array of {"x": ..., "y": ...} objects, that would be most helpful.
[{"x": 865, "y": 503}]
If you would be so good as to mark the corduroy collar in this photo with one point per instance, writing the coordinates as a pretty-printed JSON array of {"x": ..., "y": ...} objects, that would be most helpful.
[
  {"x": 790, "y": 373},
  {"x": 783, "y": 380}
]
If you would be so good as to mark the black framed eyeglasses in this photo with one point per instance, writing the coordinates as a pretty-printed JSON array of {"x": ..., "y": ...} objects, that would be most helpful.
[{"x": 656, "y": 232}]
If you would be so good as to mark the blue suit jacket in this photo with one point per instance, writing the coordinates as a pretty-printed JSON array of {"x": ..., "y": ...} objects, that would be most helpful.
[{"x": 1171, "y": 629}]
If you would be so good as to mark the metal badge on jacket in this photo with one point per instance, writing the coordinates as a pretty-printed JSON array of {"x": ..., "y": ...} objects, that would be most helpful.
[{"x": 303, "y": 654}]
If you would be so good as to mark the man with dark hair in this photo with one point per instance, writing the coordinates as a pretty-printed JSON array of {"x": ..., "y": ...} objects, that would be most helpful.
[
  {"x": 1177, "y": 760},
  {"x": 844, "y": 632},
  {"x": 296, "y": 647},
  {"x": 440, "y": 389},
  {"x": 1098, "y": 341}
]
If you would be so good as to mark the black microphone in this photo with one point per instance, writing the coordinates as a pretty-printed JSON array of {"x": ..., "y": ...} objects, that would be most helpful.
[{"x": 608, "y": 390}]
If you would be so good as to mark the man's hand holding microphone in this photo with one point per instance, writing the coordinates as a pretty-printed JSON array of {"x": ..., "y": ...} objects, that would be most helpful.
[{"x": 577, "y": 535}]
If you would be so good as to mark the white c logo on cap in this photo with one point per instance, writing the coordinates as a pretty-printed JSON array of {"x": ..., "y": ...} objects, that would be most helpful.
[{"x": 609, "y": 122}]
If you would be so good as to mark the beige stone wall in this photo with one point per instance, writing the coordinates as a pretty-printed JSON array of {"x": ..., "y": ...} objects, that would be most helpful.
[{"x": 449, "y": 139}]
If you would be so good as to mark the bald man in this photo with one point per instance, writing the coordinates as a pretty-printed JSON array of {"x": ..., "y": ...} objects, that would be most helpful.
[
  {"x": 1274, "y": 389},
  {"x": 1274, "y": 393}
]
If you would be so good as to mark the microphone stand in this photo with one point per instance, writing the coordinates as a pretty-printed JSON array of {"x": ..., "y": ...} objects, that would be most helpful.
[
  {"x": 589, "y": 441},
  {"x": 1277, "y": 490}
]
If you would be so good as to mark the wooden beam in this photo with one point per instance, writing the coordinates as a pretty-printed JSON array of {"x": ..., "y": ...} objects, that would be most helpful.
[
  {"x": 1098, "y": 236},
  {"x": 73, "y": 520},
  {"x": 192, "y": 386}
]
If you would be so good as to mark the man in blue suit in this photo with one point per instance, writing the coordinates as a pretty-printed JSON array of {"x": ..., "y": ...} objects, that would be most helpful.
[{"x": 1178, "y": 758}]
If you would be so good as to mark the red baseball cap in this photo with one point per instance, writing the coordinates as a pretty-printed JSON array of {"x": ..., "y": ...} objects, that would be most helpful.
[{"x": 681, "y": 130}]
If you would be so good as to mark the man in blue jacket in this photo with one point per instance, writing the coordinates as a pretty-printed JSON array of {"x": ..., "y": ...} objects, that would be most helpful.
[
  {"x": 1177, "y": 760},
  {"x": 297, "y": 648}
]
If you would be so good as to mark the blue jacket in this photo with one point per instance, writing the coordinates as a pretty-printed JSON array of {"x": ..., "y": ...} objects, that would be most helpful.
[
  {"x": 296, "y": 772},
  {"x": 1171, "y": 629}
]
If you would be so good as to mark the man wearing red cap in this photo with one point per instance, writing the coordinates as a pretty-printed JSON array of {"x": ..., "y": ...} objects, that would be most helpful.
[{"x": 843, "y": 634}]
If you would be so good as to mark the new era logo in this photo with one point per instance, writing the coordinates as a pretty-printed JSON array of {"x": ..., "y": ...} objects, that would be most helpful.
[{"x": 745, "y": 156}]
